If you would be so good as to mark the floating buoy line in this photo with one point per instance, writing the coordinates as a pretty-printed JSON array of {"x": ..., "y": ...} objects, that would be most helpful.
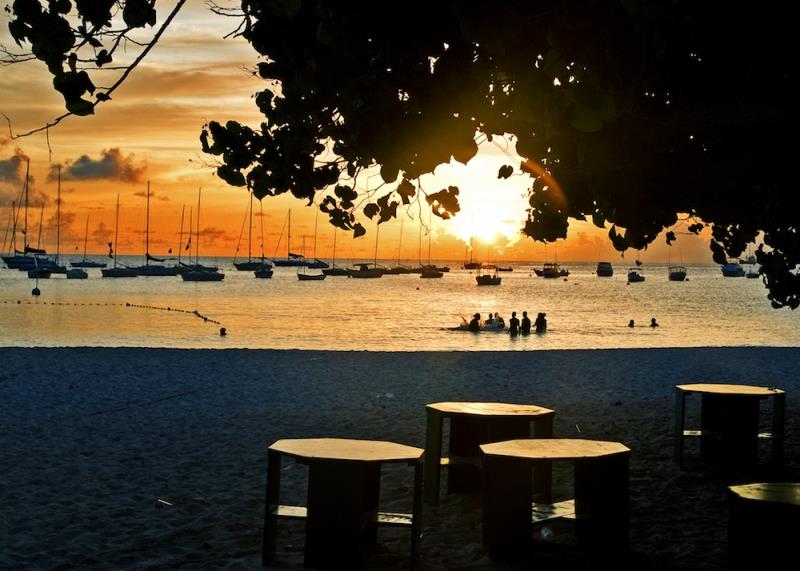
[{"x": 196, "y": 313}]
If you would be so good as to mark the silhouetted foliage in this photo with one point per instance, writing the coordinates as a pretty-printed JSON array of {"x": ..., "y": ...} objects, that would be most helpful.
[{"x": 626, "y": 112}]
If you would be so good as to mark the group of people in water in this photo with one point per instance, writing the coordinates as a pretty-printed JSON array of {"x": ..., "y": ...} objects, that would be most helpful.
[
  {"x": 653, "y": 323},
  {"x": 515, "y": 325}
]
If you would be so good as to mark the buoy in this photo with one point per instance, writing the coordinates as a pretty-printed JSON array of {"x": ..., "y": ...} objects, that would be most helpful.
[
  {"x": 222, "y": 332},
  {"x": 35, "y": 291}
]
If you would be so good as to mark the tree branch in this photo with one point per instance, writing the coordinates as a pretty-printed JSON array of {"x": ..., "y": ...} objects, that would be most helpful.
[{"x": 119, "y": 81}]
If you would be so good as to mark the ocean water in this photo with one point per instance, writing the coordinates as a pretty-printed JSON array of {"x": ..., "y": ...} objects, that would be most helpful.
[{"x": 393, "y": 313}]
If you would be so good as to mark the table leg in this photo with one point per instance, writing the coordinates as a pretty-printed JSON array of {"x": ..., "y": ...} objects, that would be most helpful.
[
  {"x": 342, "y": 501},
  {"x": 269, "y": 542},
  {"x": 466, "y": 435},
  {"x": 778, "y": 413},
  {"x": 680, "y": 413},
  {"x": 601, "y": 501},
  {"x": 506, "y": 507},
  {"x": 433, "y": 456},
  {"x": 543, "y": 471},
  {"x": 730, "y": 431},
  {"x": 416, "y": 515}
]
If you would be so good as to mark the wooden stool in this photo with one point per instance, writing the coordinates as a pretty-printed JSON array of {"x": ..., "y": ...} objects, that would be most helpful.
[
  {"x": 729, "y": 424},
  {"x": 473, "y": 424},
  {"x": 762, "y": 525},
  {"x": 343, "y": 493},
  {"x": 601, "y": 491}
]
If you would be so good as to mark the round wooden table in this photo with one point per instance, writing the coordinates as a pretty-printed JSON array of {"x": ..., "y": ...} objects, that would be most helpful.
[
  {"x": 729, "y": 424},
  {"x": 601, "y": 491},
  {"x": 763, "y": 519},
  {"x": 343, "y": 491},
  {"x": 473, "y": 424}
]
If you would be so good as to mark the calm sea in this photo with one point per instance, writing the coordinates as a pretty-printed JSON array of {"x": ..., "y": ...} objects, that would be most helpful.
[{"x": 393, "y": 313}]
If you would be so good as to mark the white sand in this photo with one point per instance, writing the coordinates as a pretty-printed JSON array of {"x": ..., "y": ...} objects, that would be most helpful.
[{"x": 92, "y": 439}]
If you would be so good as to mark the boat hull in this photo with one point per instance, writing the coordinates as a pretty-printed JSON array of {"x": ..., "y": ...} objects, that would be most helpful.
[
  {"x": 251, "y": 266},
  {"x": 202, "y": 276},
  {"x": 87, "y": 264},
  {"x": 119, "y": 272},
  {"x": 77, "y": 274},
  {"x": 264, "y": 273},
  {"x": 157, "y": 271},
  {"x": 336, "y": 272},
  {"x": 311, "y": 277}
]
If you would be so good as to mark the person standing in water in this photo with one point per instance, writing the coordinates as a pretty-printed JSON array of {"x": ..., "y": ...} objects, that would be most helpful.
[
  {"x": 541, "y": 323},
  {"x": 513, "y": 325},
  {"x": 525, "y": 327}
]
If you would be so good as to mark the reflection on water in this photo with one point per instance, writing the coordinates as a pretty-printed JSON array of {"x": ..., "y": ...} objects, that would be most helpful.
[{"x": 394, "y": 313}]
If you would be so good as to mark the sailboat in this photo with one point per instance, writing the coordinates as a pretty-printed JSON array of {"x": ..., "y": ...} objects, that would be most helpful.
[
  {"x": 430, "y": 271},
  {"x": 53, "y": 267},
  {"x": 200, "y": 273},
  {"x": 21, "y": 260},
  {"x": 84, "y": 263},
  {"x": 265, "y": 271},
  {"x": 334, "y": 270},
  {"x": 305, "y": 277},
  {"x": 366, "y": 270},
  {"x": 316, "y": 264},
  {"x": 114, "y": 271},
  {"x": 398, "y": 269},
  {"x": 487, "y": 273},
  {"x": 471, "y": 265},
  {"x": 292, "y": 260},
  {"x": 147, "y": 269},
  {"x": 251, "y": 264}
]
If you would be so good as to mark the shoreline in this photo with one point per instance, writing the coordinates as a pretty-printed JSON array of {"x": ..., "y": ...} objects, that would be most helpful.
[{"x": 97, "y": 439}]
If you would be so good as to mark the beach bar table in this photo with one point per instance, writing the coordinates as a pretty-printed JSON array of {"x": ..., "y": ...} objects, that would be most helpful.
[
  {"x": 601, "y": 492},
  {"x": 473, "y": 424},
  {"x": 729, "y": 424},
  {"x": 763, "y": 519},
  {"x": 343, "y": 492}
]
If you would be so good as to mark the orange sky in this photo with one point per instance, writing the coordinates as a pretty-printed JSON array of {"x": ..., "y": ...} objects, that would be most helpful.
[{"x": 149, "y": 132}]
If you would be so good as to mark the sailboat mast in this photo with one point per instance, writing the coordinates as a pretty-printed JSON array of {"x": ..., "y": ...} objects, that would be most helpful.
[
  {"x": 180, "y": 235},
  {"x": 39, "y": 237},
  {"x": 400, "y": 242},
  {"x": 430, "y": 231},
  {"x": 25, "y": 226},
  {"x": 377, "y": 232},
  {"x": 250, "y": 232},
  {"x": 85, "y": 237},
  {"x": 261, "y": 213},
  {"x": 289, "y": 237},
  {"x": 58, "y": 217},
  {"x": 147, "y": 229},
  {"x": 116, "y": 232},
  {"x": 333, "y": 262},
  {"x": 197, "y": 246},
  {"x": 316, "y": 219},
  {"x": 10, "y": 224}
]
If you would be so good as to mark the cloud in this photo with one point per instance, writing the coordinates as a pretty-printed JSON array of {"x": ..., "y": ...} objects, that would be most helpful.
[
  {"x": 211, "y": 234},
  {"x": 102, "y": 234},
  {"x": 12, "y": 169},
  {"x": 143, "y": 194},
  {"x": 111, "y": 165}
]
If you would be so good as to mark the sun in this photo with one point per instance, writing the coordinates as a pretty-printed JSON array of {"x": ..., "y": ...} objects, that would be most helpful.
[{"x": 490, "y": 207}]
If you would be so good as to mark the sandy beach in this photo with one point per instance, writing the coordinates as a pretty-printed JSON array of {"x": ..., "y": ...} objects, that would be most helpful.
[{"x": 155, "y": 458}]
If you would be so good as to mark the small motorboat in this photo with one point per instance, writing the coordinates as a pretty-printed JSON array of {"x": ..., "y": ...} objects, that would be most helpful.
[
  {"x": 604, "y": 270},
  {"x": 732, "y": 270},
  {"x": 676, "y": 273},
  {"x": 487, "y": 275},
  {"x": 634, "y": 275}
]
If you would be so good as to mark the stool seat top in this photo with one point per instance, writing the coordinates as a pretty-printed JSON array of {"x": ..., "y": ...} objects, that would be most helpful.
[
  {"x": 776, "y": 492},
  {"x": 554, "y": 449},
  {"x": 488, "y": 409},
  {"x": 722, "y": 389},
  {"x": 347, "y": 449}
]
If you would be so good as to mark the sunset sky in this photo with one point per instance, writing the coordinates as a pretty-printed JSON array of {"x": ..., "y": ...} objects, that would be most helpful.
[{"x": 149, "y": 132}]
